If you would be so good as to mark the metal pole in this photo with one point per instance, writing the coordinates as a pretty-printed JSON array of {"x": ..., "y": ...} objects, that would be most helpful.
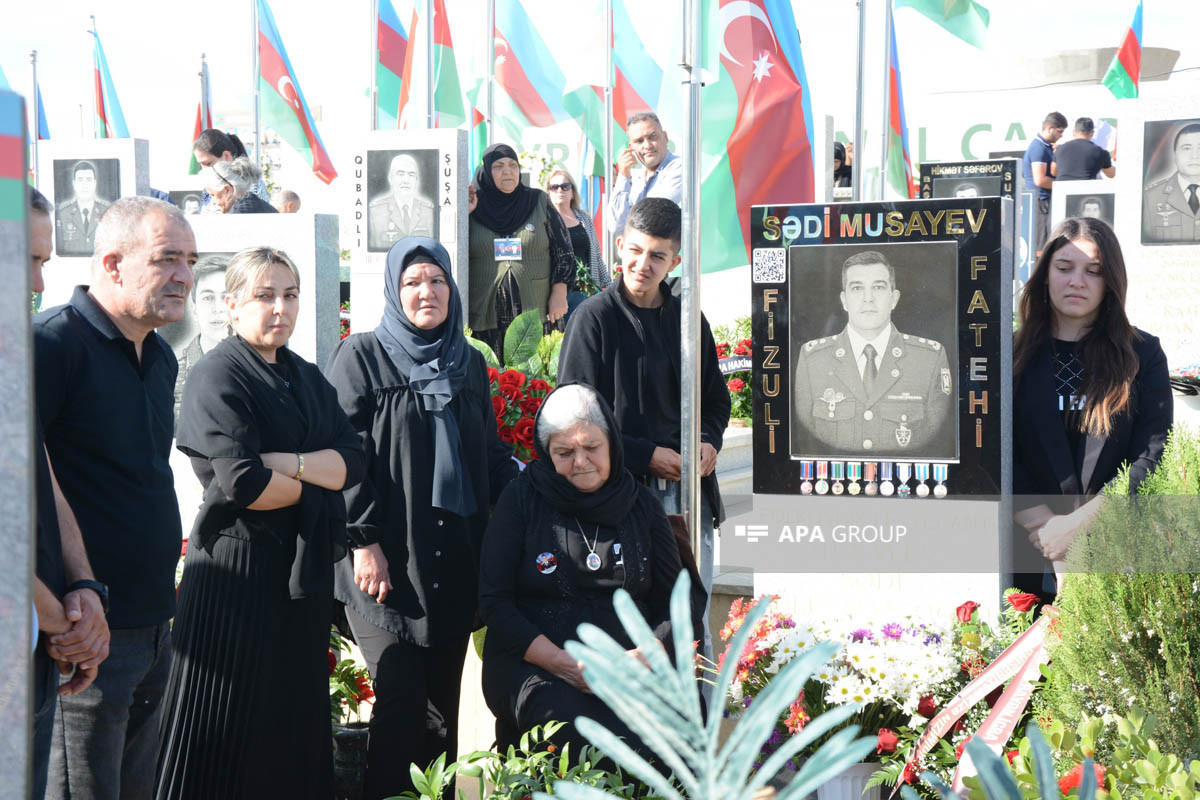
[
  {"x": 95, "y": 81},
  {"x": 205, "y": 102},
  {"x": 886, "y": 129},
  {"x": 856, "y": 176},
  {"x": 491, "y": 73},
  {"x": 374, "y": 84},
  {"x": 257, "y": 121},
  {"x": 431, "y": 106},
  {"x": 689, "y": 389},
  {"x": 607, "y": 175},
  {"x": 34, "y": 128}
]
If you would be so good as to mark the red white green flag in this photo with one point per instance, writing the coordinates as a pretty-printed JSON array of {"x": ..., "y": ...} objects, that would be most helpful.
[
  {"x": 447, "y": 92},
  {"x": 899, "y": 158}
]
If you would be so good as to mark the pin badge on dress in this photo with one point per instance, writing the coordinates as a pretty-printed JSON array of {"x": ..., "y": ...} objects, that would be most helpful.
[{"x": 546, "y": 563}]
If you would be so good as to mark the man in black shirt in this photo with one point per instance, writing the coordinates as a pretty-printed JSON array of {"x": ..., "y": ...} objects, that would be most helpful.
[
  {"x": 105, "y": 385},
  {"x": 70, "y": 611},
  {"x": 1081, "y": 159},
  {"x": 625, "y": 342}
]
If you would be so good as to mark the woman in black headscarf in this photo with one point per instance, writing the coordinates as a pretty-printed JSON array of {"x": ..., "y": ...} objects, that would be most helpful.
[
  {"x": 247, "y": 704},
  {"x": 419, "y": 397},
  {"x": 570, "y": 531},
  {"x": 520, "y": 250},
  {"x": 841, "y": 167}
]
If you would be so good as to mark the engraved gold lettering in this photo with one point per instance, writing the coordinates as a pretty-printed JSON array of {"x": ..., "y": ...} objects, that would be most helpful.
[{"x": 978, "y": 302}]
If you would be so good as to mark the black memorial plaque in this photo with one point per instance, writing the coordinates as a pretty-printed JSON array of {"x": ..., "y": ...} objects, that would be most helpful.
[
  {"x": 965, "y": 179},
  {"x": 882, "y": 341}
]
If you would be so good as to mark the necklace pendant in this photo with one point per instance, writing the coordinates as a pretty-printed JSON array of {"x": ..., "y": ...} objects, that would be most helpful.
[{"x": 593, "y": 562}]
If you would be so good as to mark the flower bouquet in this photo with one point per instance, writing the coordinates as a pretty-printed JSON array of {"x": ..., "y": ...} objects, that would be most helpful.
[
  {"x": 349, "y": 683},
  {"x": 516, "y": 401}
]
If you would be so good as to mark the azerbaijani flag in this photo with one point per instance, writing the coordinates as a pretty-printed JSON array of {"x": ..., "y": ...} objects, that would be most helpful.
[
  {"x": 966, "y": 19},
  {"x": 762, "y": 90},
  {"x": 447, "y": 92},
  {"x": 899, "y": 159},
  {"x": 283, "y": 103},
  {"x": 203, "y": 119},
  {"x": 525, "y": 70},
  {"x": 586, "y": 107},
  {"x": 638, "y": 77},
  {"x": 12, "y": 157},
  {"x": 391, "y": 49},
  {"x": 110, "y": 121},
  {"x": 1124, "y": 73},
  {"x": 43, "y": 127}
]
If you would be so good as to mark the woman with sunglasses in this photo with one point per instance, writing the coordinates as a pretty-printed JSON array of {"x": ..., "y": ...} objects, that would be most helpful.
[{"x": 565, "y": 197}]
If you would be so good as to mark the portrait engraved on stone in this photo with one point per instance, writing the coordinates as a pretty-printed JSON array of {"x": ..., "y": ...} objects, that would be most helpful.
[
  {"x": 206, "y": 322},
  {"x": 1096, "y": 206},
  {"x": 1171, "y": 182},
  {"x": 957, "y": 186},
  {"x": 873, "y": 328},
  {"x": 83, "y": 190},
  {"x": 401, "y": 185}
]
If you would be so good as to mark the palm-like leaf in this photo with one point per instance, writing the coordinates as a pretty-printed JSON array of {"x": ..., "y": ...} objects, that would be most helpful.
[{"x": 661, "y": 704}]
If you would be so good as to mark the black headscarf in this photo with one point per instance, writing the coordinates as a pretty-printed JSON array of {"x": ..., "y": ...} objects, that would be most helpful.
[
  {"x": 435, "y": 364},
  {"x": 841, "y": 175},
  {"x": 607, "y": 505},
  {"x": 501, "y": 213}
]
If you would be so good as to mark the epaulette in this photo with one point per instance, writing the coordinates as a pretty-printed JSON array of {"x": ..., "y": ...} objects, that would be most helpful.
[{"x": 819, "y": 344}]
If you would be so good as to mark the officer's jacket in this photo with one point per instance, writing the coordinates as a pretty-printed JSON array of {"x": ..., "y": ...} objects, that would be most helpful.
[
  {"x": 906, "y": 412},
  {"x": 386, "y": 221},
  {"x": 75, "y": 238},
  {"x": 1166, "y": 216}
]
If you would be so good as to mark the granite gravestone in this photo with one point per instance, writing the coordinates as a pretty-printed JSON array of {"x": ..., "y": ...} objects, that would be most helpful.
[
  {"x": 895, "y": 460},
  {"x": 1096, "y": 199},
  {"x": 81, "y": 178},
  {"x": 406, "y": 183},
  {"x": 16, "y": 462}
]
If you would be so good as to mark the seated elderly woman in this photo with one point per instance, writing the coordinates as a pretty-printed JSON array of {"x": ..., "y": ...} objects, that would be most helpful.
[
  {"x": 231, "y": 185},
  {"x": 571, "y": 530}
]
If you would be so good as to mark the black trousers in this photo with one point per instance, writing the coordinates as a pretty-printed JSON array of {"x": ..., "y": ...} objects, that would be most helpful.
[{"x": 415, "y": 716}]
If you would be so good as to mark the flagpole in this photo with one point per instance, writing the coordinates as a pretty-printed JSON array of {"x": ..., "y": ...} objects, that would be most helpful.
[
  {"x": 491, "y": 72},
  {"x": 856, "y": 173},
  {"x": 375, "y": 63},
  {"x": 689, "y": 388},
  {"x": 205, "y": 118},
  {"x": 886, "y": 130},
  {"x": 95, "y": 84},
  {"x": 257, "y": 123},
  {"x": 431, "y": 105},
  {"x": 36, "y": 126},
  {"x": 606, "y": 174}
]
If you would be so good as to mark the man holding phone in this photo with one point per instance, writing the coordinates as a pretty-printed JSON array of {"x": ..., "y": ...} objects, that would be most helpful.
[{"x": 644, "y": 169}]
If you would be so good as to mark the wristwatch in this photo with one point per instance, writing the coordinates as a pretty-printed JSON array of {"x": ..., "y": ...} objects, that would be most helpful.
[{"x": 96, "y": 586}]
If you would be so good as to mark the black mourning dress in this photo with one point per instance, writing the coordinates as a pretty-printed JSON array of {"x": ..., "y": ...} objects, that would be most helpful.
[{"x": 247, "y": 708}]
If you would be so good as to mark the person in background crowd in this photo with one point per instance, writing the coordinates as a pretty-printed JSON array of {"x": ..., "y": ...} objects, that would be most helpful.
[
  {"x": 520, "y": 251},
  {"x": 1091, "y": 392},
  {"x": 1081, "y": 159},
  {"x": 842, "y": 169},
  {"x": 570, "y": 531},
  {"x": 660, "y": 172},
  {"x": 626, "y": 343},
  {"x": 419, "y": 397},
  {"x": 248, "y": 695},
  {"x": 288, "y": 202},
  {"x": 564, "y": 194},
  {"x": 71, "y": 628},
  {"x": 104, "y": 382},
  {"x": 229, "y": 183},
  {"x": 1036, "y": 167},
  {"x": 213, "y": 145}
]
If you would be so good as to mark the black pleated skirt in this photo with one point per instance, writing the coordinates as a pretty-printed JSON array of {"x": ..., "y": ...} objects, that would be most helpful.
[{"x": 247, "y": 707}]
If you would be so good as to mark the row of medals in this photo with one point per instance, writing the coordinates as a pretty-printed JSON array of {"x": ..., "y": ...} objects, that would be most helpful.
[{"x": 852, "y": 472}]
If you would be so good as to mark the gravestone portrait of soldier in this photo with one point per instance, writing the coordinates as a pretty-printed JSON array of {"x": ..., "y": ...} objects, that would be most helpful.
[
  {"x": 83, "y": 191},
  {"x": 1171, "y": 198},
  {"x": 404, "y": 207}
]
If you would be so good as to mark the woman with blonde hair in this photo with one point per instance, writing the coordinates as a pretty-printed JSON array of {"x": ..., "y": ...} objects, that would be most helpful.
[
  {"x": 247, "y": 706},
  {"x": 564, "y": 194}
]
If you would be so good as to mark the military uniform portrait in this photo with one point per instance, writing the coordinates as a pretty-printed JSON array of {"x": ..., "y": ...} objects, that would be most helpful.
[
  {"x": 401, "y": 185},
  {"x": 874, "y": 337},
  {"x": 188, "y": 200},
  {"x": 1095, "y": 206},
  {"x": 206, "y": 322},
  {"x": 83, "y": 190},
  {"x": 957, "y": 186},
  {"x": 1171, "y": 181}
]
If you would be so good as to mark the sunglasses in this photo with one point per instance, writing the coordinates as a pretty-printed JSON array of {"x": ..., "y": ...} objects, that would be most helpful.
[{"x": 559, "y": 187}]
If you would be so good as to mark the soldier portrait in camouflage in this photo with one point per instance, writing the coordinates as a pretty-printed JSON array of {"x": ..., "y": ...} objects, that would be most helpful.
[
  {"x": 402, "y": 206},
  {"x": 872, "y": 389},
  {"x": 83, "y": 191},
  {"x": 1171, "y": 198}
]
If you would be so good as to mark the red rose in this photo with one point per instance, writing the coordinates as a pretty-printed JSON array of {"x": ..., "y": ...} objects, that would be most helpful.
[
  {"x": 523, "y": 432},
  {"x": 722, "y": 350},
  {"x": 512, "y": 392},
  {"x": 365, "y": 692},
  {"x": 910, "y": 772},
  {"x": 1073, "y": 778},
  {"x": 506, "y": 434},
  {"x": 499, "y": 406},
  {"x": 887, "y": 742},
  {"x": 493, "y": 374},
  {"x": 1022, "y": 601},
  {"x": 736, "y": 385},
  {"x": 741, "y": 350},
  {"x": 530, "y": 405},
  {"x": 965, "y": 611},
  {"x": 1011, "y": 755},
  {"x": 511, "y": 377},
  {"x": 539, "y": 385},
  {"x": 332, "y": 662},
  {"x": 183, "y": 549},
  {"x": 926, "y": 707},
  {"x": 958, "y": 751}
]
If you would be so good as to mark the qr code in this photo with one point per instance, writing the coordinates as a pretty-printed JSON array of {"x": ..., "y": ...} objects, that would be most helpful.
[{"x": 769, "y": 265}]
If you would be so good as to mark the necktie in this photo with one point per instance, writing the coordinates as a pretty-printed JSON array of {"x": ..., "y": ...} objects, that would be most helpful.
[
  {"x": 405, "y": 219},
  {"x": 1193, "y": 201},
  {"x": 85, "y": 216},
  {"x": 871, "y": 371}
]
